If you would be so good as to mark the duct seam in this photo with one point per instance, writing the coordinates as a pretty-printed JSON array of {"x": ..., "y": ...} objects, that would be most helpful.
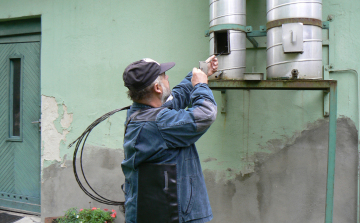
[
  {"x": 213, "y": 2},
  {"x": 278, "y": 6},
  {"x": 226, "y": 16},
  {"x": 293, "y": 61},
  {"x": 232, "y": 68}
]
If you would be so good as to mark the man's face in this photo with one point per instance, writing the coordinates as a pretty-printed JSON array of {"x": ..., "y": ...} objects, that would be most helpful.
[{"x": 166, "y": 87}]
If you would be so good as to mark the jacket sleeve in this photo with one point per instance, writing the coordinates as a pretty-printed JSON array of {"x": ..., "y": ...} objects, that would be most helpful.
[
  {"x": 180, "y": 94},
  {"x": 181, "y": 128}
]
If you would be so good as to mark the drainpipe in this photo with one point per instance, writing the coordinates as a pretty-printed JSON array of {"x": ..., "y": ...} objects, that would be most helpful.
[{"x": 358, "y": 175}]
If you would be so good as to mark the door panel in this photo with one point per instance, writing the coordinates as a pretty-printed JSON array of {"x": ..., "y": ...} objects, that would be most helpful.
[{"x": 20, "y": 152}]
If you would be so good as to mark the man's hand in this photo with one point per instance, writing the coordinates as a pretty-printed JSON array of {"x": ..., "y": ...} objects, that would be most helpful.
[
  {"x": 212, "y": 65},
  {"x": 198, "y": 76}
]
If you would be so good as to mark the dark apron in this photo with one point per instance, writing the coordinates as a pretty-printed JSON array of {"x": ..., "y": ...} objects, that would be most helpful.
[
  {"x": 157, "y": 194},
  {"x": 157, "y": 184}
]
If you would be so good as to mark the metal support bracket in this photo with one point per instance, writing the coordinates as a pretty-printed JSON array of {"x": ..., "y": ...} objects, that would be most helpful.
[
  {"x": 255, "y": 33},
  {"x": 325, "y": 24},
  {"x": 326, "y": 103},
  {"x": 250, "y": 34},
  {"x": 326, "y": 73},
  {"x": 326, "y": 68},
  {"x": 223, "y": 102},
  {"x": 253, "y": 41}
]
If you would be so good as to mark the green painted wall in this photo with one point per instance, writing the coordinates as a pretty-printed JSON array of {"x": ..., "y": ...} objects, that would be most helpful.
[{"x": 87, "y": 44}]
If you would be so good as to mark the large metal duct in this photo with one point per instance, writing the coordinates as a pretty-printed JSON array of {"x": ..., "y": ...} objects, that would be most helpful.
[
  {"x": 228, "y": 41},
  {"x": 294, "y": 39}
]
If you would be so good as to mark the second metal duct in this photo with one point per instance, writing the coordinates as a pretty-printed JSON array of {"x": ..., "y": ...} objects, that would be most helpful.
[{"x": 294, "y": 39}]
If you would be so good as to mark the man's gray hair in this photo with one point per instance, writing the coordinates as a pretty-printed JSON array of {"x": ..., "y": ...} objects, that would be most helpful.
[{"x": 137, "y": 95}]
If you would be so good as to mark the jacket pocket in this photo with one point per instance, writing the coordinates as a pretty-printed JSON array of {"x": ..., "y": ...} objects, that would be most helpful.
[
  {"x": 126, "y": 188},
  {"x": 187, "y": 194}
]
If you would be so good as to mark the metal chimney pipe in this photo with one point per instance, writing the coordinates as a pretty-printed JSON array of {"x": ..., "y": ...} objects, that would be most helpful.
[
  {"x": 294, "y": 39},
  {"x": 228, "y": 41}
]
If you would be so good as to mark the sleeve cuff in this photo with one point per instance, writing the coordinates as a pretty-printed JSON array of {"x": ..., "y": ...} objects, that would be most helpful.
[{"x": 201, "y": 84}]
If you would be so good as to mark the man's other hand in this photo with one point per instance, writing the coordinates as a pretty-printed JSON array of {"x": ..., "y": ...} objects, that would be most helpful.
[
  {"x": 198, "y": 76},
  {"x": 212, "y": 65}
]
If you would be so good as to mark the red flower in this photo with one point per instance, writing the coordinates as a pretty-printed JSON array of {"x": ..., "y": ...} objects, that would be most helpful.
[
  {"x": 81, "y": 209},
  {"x": 113, "y": 215},
  {"x": 94, "y": 208},
  {"x": 113, "y": 210},
  {"x": 105, "y": 209}
]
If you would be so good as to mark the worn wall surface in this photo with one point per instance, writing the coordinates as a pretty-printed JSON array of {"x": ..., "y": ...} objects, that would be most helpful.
[
  {"x": 289, "y": 185},
  {"x": 264, "y": 160},
  {"x": 102, "y": 170}
]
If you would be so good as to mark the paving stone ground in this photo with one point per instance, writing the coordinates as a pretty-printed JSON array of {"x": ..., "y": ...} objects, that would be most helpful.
[{"x": 26, "y": 218}]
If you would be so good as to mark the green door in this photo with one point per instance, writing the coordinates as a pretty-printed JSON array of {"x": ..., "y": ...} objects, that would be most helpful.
[{"x": 19, "y": 126}]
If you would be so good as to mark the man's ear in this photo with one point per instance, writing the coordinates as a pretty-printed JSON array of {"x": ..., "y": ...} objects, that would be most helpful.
[{"x": 157, "y": 88}]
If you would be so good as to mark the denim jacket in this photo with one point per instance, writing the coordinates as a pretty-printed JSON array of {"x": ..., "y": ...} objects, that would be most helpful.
[{"x": 168, "y": 138}]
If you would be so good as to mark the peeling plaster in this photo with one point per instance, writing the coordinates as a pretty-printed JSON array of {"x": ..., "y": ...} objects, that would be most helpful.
[
  {"x": 66, "y": 119},
  {"x": 290, "y": 185},
  {"x": 273, "y": 146},
  {"x": 51, "y": 136},
  {"x": 102, "y": 167}
]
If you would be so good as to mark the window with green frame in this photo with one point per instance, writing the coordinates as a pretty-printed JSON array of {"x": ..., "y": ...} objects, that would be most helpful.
[{"x": 15, "y": 105}]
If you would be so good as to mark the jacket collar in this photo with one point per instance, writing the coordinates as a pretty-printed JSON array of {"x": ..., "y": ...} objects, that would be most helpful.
[{"x": 136, "y": 106}]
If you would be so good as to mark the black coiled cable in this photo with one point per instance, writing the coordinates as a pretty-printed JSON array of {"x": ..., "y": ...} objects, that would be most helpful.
[{"x": 80, "y": 143}]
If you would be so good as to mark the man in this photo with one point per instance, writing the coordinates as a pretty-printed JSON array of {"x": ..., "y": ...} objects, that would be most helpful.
[{"x": 163, "y": 176}]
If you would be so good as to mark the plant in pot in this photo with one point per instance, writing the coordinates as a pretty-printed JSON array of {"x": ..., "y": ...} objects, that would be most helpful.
[{"x": 94, "y": 215}]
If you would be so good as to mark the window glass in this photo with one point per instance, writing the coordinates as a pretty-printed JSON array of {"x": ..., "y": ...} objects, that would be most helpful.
[{"x": 16, "y": 95}]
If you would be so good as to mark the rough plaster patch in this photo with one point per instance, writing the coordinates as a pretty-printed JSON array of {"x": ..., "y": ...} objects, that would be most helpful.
[
  {"x": 273, "y": 146},
  {"x": 50, "y": 136},
  {"x": 102, "y": 167},
  {"x": 276, "y": 145},
  {"x": 290, "y": 185}
]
